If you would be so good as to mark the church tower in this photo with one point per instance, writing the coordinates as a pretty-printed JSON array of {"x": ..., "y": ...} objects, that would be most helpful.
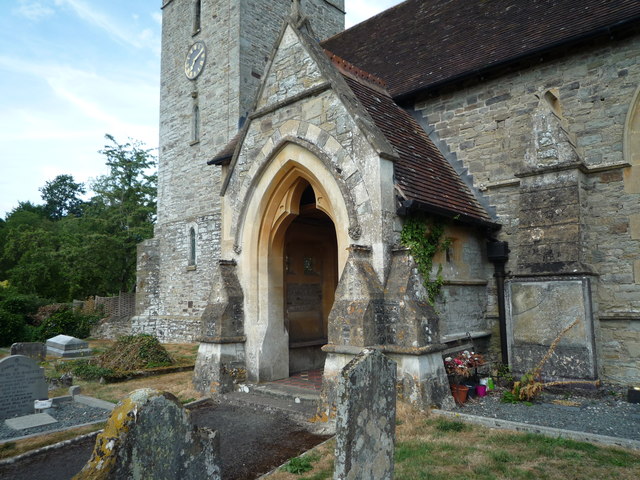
[{"x": 213, "y": 57}]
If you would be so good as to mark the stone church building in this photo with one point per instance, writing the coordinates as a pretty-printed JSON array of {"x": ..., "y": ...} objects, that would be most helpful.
[{"x": 295, "y": 157}]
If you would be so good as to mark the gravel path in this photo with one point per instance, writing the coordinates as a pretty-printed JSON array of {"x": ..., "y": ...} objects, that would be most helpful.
[
  {"x": 67, "y": 414},
  {"x": 604, "y": 411}
]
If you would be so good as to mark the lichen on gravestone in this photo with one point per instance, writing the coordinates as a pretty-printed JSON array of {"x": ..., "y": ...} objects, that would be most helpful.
[{"x": 150, "y": 435}]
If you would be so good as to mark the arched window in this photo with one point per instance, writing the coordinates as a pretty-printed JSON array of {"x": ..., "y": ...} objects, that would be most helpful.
[
  {"x": 197, "y": 13},
  {"x": 192, "y": 246}
]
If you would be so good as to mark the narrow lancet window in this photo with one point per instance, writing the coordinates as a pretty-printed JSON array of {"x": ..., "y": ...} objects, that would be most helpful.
[
  {"x": 192, "y": 246},
  {"x": 197, "y": 13},
  {"x": 195, "y": 134}
]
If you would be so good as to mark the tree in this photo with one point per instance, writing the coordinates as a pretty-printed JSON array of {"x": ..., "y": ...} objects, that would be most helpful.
[
  {"x": 124, "y": 207},
  {"x": 62, "y": 197},
  {"x": 69, "y": 249}
]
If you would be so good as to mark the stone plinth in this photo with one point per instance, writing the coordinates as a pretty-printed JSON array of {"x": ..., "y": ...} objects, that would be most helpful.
[
  {"x": 67, "y": 347},
  {"x": 366, "y": 418},
  {"x": 21, "y": 383}
]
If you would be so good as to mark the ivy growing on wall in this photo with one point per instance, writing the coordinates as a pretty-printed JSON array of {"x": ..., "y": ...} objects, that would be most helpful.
[{"x": 424, "y": 239}]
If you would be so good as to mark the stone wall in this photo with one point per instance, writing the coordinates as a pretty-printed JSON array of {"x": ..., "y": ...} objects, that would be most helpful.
[
  {"x": 575, "y": 146},
  {"x": 239, "y": 36}
]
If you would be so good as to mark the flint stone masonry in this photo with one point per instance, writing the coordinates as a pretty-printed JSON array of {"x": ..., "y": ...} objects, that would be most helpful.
[
  {"x": 35, "y": 350},
  {"x": 21, "y": 383},
  {"x": 67, "y": 347},
  {"x": 366, "y": 418},
  {"x": 151, "y": 436}
]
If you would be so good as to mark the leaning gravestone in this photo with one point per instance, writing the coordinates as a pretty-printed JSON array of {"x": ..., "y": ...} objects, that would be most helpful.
[
  {"x": 150, "y": 436},
  {"x": 21, "y": 383},
  {"x": 67, "y": 347},
  {"x": 366, "y": 418},
  {"x": 34, "y": 350}
]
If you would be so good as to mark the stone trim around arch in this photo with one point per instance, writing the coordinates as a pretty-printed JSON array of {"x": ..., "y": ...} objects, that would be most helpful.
[
  {"x": 269, "y": 211},
  {"x": 325, "y": 148}
]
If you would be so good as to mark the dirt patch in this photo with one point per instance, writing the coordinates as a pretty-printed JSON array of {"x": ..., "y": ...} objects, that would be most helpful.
[{"x": 252, "y": 443}]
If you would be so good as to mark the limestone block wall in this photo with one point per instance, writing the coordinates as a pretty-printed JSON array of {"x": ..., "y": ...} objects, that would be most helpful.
[
  {"x": 489, "y": 126},
  {"x": 462, "y": 306}
]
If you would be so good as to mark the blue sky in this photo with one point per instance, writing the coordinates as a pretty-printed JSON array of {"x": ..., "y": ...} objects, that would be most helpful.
[{"x": 73, "y": 70}]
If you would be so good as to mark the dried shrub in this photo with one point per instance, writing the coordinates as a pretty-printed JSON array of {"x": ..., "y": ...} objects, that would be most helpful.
[{"x": 135, "y": 352}]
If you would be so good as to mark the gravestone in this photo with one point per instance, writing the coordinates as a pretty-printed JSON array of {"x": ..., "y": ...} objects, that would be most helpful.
[
  {"x": 34, "y": 350},
  {"x": 150, "y": 435},
  {"x": 67, "y": 347},
  {"x": 21, "y": 383},
  {"x": 366, "y": 418}
]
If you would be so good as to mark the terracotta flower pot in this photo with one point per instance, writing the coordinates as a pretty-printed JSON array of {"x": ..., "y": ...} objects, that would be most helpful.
[{"x": 459, "y": 393}]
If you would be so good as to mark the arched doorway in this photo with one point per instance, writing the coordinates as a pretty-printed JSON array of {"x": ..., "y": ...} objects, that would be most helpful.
[
  {"x": 310, "y": 280},
  {"x": 294, "y": 189}
]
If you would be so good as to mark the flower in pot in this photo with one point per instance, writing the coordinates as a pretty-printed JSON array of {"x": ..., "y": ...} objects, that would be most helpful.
[{"x": 459, "y": 368}]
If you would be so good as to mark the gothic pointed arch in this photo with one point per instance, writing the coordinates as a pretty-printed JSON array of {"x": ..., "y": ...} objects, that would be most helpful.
[
  {"x": 271, "y": 208},
  {"x": 632, "y": 145}
]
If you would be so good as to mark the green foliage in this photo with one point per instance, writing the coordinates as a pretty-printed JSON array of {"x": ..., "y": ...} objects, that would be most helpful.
[
  {"x": 84, "y": 369},
  {"x": 12, "y": 328},
  {"x": 135, "y": 352},
  {"x": 444, "y": 425},
  {"x": 66, "y": 322},
  {"x": 17, "y": 313},
  {"x": 62, "y": 197},
  {"x": 424, "y": 240},
  {"x": 67, "y": 248},
  {"x": 299, "y": 465}
]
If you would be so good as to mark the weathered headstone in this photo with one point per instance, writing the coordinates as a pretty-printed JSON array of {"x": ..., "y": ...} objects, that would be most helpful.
[
  {"x": 67, "y": 347},
  {"x": 34, "y": 350},
  {"x": 366, "y": 418},
  {"x": 537, "y": 312},
  {"x": 21, "y": 383},
  {"x": 150, "y": 435}
]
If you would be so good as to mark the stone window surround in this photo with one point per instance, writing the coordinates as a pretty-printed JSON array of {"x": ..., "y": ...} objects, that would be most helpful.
[{"x": 192, "y": 245}]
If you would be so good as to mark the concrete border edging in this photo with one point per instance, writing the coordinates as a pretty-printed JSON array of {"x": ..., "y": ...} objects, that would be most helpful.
[
  {"x": 55, "y": 446},
  {"x": 541, "y": 430}
]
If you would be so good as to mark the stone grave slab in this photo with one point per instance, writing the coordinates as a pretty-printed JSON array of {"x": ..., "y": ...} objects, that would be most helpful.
[
  {"x": 366, "y": 418},
  {"x": 30, "y": 421},
  {"x": 21, "y": 383},
  {"x": 34, "y": 350},
  {"x": 67, "y": 347}
]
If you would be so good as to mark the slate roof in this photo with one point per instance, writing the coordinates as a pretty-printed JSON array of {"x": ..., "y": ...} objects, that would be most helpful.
[
  {"x": 420, "y": 44},
  {"x": 422, "y": 175}
]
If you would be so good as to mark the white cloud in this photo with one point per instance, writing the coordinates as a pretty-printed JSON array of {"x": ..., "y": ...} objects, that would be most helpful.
[
  {"x": 360, "y": 10},
  {"x": 111, "y": 26},
  {"x": 33, "y": 11}
]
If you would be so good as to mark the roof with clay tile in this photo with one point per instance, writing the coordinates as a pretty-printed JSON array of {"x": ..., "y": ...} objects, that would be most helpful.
[
  {"x": 420, "y": 44},
  {"x": 422, "y": 174}
]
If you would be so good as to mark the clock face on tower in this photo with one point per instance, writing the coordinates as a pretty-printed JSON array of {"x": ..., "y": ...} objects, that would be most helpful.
[{"x": 194, "y": 63}]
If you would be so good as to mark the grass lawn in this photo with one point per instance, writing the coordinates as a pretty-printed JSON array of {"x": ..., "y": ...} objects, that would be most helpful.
[{"x": 429, "y": 448}]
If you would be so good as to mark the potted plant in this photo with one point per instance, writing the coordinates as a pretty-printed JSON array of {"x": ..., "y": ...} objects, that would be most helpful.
[{"x": 459, "y": 368}]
